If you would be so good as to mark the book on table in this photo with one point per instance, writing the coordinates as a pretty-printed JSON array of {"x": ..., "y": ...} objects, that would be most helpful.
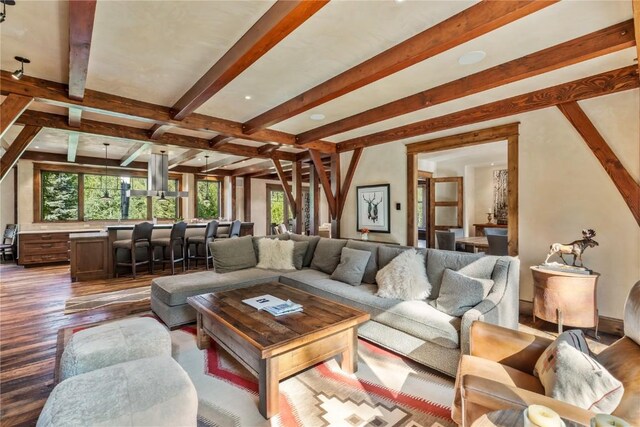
[{"x": 273, "y": 305}]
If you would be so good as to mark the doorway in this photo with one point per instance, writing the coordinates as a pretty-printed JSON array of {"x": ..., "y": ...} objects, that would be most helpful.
[{"x": 279, "y": 209}]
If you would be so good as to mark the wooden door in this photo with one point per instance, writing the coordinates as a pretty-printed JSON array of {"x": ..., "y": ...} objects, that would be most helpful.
[{"x": 453, "y": 200}]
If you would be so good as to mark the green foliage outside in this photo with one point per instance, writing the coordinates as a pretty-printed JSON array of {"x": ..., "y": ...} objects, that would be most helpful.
[
  {"x": 97, "y": 208},
  {"x": 59, "y": 196},
  {"x": 168, "y": 208},
  {"x": 277, "y": 207},
  {"x": 208, "y": 199},
  {"x": 420, "y": 208}
]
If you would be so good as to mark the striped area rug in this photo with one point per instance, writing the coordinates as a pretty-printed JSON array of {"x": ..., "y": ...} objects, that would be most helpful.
[
  {"x": 91, "y": 302},
  {"x": 387, "y": 390}
]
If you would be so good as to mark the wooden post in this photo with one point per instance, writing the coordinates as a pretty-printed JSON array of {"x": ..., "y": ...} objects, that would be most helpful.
[
  {"x": 335, "y": 189},
  {"x": 296, "y": 176},
  {"x": 233, "y": 198},
  {"x": 512, "y": 194},
  {"x": 11, "y": 108},
  {"x": 247, "y": 199},
  {"x": 314, "y": 201},
  {"x": 412, "y": 190}
]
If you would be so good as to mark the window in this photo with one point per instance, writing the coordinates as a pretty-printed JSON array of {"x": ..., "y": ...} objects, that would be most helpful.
[
  {"x": 78, "y": 196},
  {"x": 59, "y": 196},
  {"x": 208, "y": 199},
  {"x": 421, "y": 214}
]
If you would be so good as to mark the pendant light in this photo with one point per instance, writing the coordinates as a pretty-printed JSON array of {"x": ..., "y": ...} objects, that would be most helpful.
[
  {"x": 106, "y": 195},
  {"x": 162, "y": 189},
  {"x": 3, "y": 15},
  {"x": 207, "y": 200},
  {"x": 17, "y": 74}
]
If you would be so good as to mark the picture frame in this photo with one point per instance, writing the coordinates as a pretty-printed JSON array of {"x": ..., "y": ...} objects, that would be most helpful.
[{"x": 374, "y": 208}]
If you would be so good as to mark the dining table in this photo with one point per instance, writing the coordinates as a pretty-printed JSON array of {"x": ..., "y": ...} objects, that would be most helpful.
[{"x": 479, "y": 243}]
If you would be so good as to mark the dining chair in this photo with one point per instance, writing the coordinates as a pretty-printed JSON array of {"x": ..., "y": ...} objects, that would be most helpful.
[
  {"x": 9, "y": 241},
  {"x": 202, "y": 240},
  {"x": 498, "y": 245},
  {"x": 446, "y": 240},
  {"x": 168, "y": 245},
  {"x": 140, "y": 238},
  {"x": 234, "y": 230},
  {"x": 459, "y": 233},
  {"x": 492, "y": 231}
]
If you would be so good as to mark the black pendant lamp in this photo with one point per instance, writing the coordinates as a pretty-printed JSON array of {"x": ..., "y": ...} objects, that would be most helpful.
[
  {"x": 207, "y": 200},
  {"x": 106, "y": 195}
]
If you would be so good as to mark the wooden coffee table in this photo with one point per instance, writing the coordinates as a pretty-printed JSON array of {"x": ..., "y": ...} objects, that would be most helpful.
[{"x": 274, "y": 348}]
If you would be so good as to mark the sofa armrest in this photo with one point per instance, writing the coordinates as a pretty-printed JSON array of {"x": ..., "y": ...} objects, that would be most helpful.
[
  {"x": 495, "y": 396},
  {"x": 518, "y": 350}
]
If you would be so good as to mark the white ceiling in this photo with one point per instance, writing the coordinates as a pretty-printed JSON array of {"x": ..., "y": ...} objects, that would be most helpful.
[{"x": 155, "y": 50}]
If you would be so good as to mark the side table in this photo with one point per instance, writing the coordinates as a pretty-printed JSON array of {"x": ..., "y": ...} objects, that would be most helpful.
[{"x": 565, "y": 298}]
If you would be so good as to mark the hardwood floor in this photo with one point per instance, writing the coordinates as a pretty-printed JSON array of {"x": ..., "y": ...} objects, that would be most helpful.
[
  {"x": 32, "y": 304},
  {"x": 31, "y": 313}
]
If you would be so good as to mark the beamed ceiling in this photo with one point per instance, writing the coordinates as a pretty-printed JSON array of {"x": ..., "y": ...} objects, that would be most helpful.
[{"x": 239, "y": 81}]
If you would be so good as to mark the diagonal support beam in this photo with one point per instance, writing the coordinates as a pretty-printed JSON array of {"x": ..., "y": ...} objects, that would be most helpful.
[
  {"x": 285, "y": 184},
  {"x": 72, "y": 146},
  {"x": 324, "y": 181},
  {"x": 219, "y": 141},
  {"x": 622, "y": 179},
  {"x": 81, "y": 16},
  {"x": 472, "y": 22},
  {"x": 158, "y": 130},
  {"x": 184, "y": 157},
  {"x": 16, "y": 149},
  {"x": 602, "y": 42},
  {"x": 10, "y": 109},
  {"x": 268, "y": 148},
  {"x": 353, "y": 164},
  {"x": 134, "y": 152},
  {"x": 279, "y": 21}
]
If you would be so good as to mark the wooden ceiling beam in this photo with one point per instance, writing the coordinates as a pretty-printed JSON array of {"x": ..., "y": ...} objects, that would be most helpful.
[
  {"x": 276, "y": 24},
  {"x": 75, "y": 116},
  {"x": 72, "y": 146},
  {"x": 219, "y": 141},
  {"x": 81, "y": 16},
  {"x": 227, "y": 161},
  {"x": 589, "y": 87},
  {"x": 622, "y": 179},
  {"x": 636, "y": 23},
  {"x": 268, "y": 148},
  {"x": 353, "y": 164},
  {"x": 158, "y": 130},
  {"x": 17, "y": 148},
  {"x": 187, "y": 156},
  {"x": 324, "y": 181},
  {"x": 285, "y": 184},
  {"x": 598, "y": 43},
  {"x": 252, "y": 168},
  {"x": 10, "y": 109},
  {"x": 53, "y": 93},
  {"x": 472, "y": 22},
  {"x": 482, "y": 136},
  {"x": 134, "y": 152},
  {"x": 55, "y": 121}
]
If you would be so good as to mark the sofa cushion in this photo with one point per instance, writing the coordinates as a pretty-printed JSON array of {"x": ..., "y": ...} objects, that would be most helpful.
[
  {"x": 404, "y": 278},
  {"x": 617, "y": 359},
  {"x": 459, "y": 293},
  {"x": 299, "y": 252},
  {"x": 353, "y": 263},
  {"x": 439, "y": 260},
  {"x": 276, "y": 254},
  {"x": 327, "y": 255},
  {"x": 256, "y": 241},
  {"x": 372, "y": 265},
  {"x": 174, "y": 290},
  {"x": 417, "y": 318},
  {"x": 313, "y": 242},
  {"x": 233, "y": 254},
  {"x": 386, "y": 253}
]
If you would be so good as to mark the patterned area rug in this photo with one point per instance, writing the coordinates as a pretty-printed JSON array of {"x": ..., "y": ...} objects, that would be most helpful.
[
  {"x": 387, "y": 390},
  {"x": 91, "y": 302}
]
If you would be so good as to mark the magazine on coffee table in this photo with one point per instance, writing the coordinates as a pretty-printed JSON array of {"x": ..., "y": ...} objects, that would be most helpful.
[{"x": 273, "y": 305}]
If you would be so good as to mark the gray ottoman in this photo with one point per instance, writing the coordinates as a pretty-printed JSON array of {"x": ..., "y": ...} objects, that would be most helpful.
[
  {"x": 113, "y": 343},
  {"x": 147, "y": 392}
]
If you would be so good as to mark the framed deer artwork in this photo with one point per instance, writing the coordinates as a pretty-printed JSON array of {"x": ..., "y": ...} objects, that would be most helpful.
[{"x": 374, "y": 208}]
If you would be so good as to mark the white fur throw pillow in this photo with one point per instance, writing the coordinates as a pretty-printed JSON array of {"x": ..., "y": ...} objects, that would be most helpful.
[
  {"x": 405, "y": 277},
  {"x": 276, "y": 254}
]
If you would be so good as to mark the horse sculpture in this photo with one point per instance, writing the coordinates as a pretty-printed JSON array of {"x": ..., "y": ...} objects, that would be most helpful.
[
  {"x": 372, "y": 208},
  {"x": 575, "y": 248}
]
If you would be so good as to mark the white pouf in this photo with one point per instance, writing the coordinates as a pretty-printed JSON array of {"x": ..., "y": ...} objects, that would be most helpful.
[
  {"x": 147, "y": 392},
  {"x": 112, "y": 343}
]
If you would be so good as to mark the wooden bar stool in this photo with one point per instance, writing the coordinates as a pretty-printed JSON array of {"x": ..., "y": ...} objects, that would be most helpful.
[
  {"x": 197, "y": 241},
  {"x": 168, "y": 244},
  {"x": 234, "y": 230},
  {"x": 140, "y": 238}
]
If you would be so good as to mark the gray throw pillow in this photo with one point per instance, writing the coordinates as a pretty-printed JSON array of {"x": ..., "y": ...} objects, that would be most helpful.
[
  {"x": 387, "y": 253},
  {"x": 233, "y": 254},
  {"x": 327, "y": 255},
  {"x": 439, "y": 260},
  {"x": 372, "y": 265},
  {"x": 313, "y": 242},
  {"x": 353, "y": 263},
  {"x": 460, "y": 293},
  {"x": 299, "y": 251}
]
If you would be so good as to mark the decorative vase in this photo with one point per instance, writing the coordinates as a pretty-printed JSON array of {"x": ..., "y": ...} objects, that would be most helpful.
[{"x": 365, "y": 236}]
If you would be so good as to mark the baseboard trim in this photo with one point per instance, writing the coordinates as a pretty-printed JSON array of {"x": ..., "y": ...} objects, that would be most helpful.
[{"x": 608, "y": 325}]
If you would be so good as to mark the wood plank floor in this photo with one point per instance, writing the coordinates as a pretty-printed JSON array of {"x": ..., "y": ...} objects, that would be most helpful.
[{"x": 31, "y": 313}]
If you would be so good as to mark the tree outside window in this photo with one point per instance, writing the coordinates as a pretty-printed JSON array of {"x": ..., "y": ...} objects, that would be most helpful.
[
  {"x": 167, "y": 208},
  {"x": 207, "y": 199},
  {"x": 59, "y": 196}
]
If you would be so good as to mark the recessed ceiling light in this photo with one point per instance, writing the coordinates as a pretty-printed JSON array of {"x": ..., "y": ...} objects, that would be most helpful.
[
  {"x": 247, "y": 97},
  {"x": 317, "y": 116},
  {"x": 472, "y": 57},
  {"x": 492, "y": 164},
  {"x": 37, "y": 146}
]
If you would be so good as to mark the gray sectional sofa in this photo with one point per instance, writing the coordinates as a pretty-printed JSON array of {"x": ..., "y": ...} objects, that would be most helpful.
[{"x": 412, "y": 328}]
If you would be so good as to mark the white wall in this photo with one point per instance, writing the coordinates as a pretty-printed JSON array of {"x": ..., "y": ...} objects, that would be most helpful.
[
  {"x": 7, "y": 201},
  {"x": 563, "y": 189}
]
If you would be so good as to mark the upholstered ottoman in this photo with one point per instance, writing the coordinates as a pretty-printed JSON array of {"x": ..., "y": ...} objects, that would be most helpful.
[
  {"x": 112, "y": 343},
  {"x": 147, "y": 392}
]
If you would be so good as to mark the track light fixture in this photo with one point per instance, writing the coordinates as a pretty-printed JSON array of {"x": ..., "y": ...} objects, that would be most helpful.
[
  {"x": 3, "y": 15},
  {"x": 17, "y": 74}
]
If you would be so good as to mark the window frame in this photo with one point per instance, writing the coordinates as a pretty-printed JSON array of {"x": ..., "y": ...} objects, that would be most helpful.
[
  {"x": 221, "y": 194},
  {"x": 38, "y": 168}
]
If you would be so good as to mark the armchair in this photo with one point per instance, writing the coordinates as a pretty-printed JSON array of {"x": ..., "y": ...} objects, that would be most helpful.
[{"x": 498, "y": 372}]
